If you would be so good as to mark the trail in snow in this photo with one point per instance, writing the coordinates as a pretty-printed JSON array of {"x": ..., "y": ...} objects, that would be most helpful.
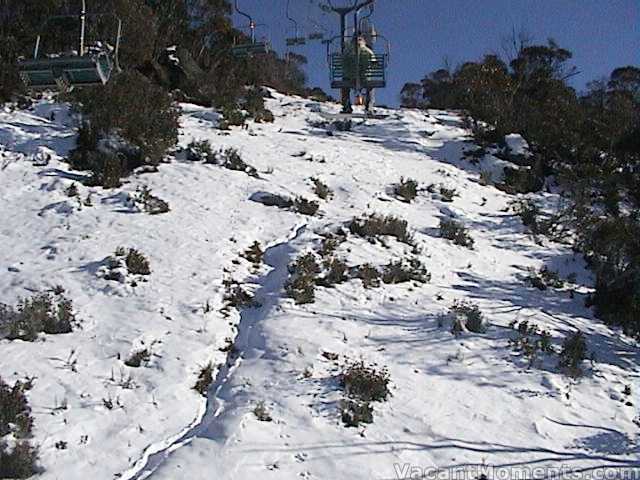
[{"x": 249, "y": 345}]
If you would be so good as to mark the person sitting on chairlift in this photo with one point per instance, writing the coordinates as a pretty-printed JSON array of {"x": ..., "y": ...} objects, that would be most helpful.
[{"x": 365, "y": 58}]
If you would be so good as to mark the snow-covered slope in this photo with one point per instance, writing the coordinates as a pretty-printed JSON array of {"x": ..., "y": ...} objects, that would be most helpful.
[{"x": 457, "y": 401}]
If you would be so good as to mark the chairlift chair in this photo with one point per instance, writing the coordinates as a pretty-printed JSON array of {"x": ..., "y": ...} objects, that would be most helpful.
[
  {"x": 253, "y": 47},
  {"x": 373, "y": 75},
  {"x": 295, "y": 40},
  {"x": 90, "y": 66}
]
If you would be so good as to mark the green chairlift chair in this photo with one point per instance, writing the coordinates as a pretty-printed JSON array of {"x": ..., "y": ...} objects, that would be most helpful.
[
  {"x": 372, "y": 74},
  {"x": 246, "y": 49},
  {"x": 86, "y": 68}
]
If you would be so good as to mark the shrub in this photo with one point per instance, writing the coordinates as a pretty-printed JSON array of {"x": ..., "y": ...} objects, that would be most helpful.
[
  {"x": 530, "y": 213},
  {"x": 354, "y": 413},
  {"x": 138, "y": 358},
  {"x": 521, "y": 180},
  {"x": 301, "y": 285},
  {"x": 400, "y": 272},
  {"x": 72, "y": 190},
  {"x": 261, "y": 412},
  {"x": 369, "y": 275},
  {"x": 321, "y": 189},
  {"x": 16, "y": 420},
  {"x": 574, "y": 352},
  {"x": 137, "y": 263},
  {"x": 135, "y": 109},
  {"x": 232, "y": 117},
  {"x": 150, "y": 203},
  {"x": 205, "y": 379},
  {"x": 230, "y": 159},
  {"x": 365, "y": 382},
  {"x": 531, "y": 341},
  {"x": 456, "y": 232},
  {"x": 377, "y": 225},
  {"x": 19, "y": 462},
  {"x": 448, "y": 194},
  {"x": 254, "y": 253},
  {"x": 337, "y": 272},
  {"x": 43, "y": 313},
  {"x": 305, "y": 207},
  {"x": 238, "y": 297},
  {"x": 406, "y": 190},
  {"x": 469, "y": 316},
  {"x": 200, "y": 151},
  {"x": 544, "y": 278}
]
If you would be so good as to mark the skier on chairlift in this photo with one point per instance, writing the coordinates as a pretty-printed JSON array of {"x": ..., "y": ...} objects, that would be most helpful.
[{"x": 362, "y": 63}]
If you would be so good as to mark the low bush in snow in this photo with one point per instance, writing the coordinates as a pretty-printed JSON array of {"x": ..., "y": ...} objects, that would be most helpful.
[
  {"x": 530, "y": 214},
  {"x": 254, "y": 254},
  {"x": 375, "y": 225},
  {"x": 205, "y": 379},
  {"x": 369, "y": 275},
  {"x": 261, "y": 412},
  {"x": 447, "y": 194},
  {"x": 232, "y": 116},
  {"x": 17, "y": 458},
  {"x": 138, "y": 358},
  {"x": 304, "y": 273},
  {"x": 544, "y": 278},
  {"x": 531, "y": 341},
  {"x": 200, "y": 151},
  {"x": 137, "y": 263},
  {"x": 305, "y": 207},
  {"x": 456, "y": 232},
  {"x": 406, "y": 190},
  {"x": 365, "y": 382},
  {"x": 337, "y": 272},
  {"x": 574, "y": 352},
  {"x": 150, "y": 203},
  {"x": 467, "y": 316},
  {"x": 354, "y": 413},
  {"x": 400, "y": 272},
  {"x": 321, "y": 189},
  {"x": 47, "y": 312},
  {"x": 237, "y": 297},
  {"x": 230, "y": 159}
]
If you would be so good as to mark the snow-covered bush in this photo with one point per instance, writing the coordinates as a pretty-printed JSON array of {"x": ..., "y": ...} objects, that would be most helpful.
[
  {"x": 447, "y": 194},
  {"x": 456, "y": 232},
  {"x": 467, "y": 316},
  {"x": 321, "y": 189},
  {"x": 17, "y": 456},
  {"x": 369, "y": 275},
  {"x": 400, "y": 272},
  {"x": 305, "y": 206},
  {"x": 200, "y": 151},
  {"x": 544, "y": 278},
  {"x": 375, "y": 225},
  {"x": 149, "y": 203},
  {"x": 230, "y": 159},
  {"x": 254, "y": 254},
  {"x": 261, "y": 412},
  {"x": 406, "y": 190},
  {"x": 531, "y": 341},
  {"x": 47, "y": 312},
  {"x": 354, "y": 413},
  {"x": 365, "y": 382},
  {"x": 135, "y": 109},
  {"x": 237, "y": 297},
  {"x": 137, "y": 358},
  {"x": 337, "y": 272},
  {"x": 137, "y": 263},
  {"x": 304, "y": 272},
  {"x": 574, "y": 352},
  {"x": 205, "y": 379}
]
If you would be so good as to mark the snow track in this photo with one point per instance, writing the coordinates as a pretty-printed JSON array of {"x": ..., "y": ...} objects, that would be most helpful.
[{"x": 248, "y": 346}]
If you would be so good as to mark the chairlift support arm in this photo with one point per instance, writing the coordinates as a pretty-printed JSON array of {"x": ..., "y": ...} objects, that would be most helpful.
[{"x": 252, "y": 25}]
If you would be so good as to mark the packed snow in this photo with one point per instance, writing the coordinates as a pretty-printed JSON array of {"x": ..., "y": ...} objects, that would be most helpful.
[{"x": 457, "y": 402}]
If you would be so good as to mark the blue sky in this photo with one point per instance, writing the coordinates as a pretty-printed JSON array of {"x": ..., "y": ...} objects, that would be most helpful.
[{"x": 602, "y": 34}]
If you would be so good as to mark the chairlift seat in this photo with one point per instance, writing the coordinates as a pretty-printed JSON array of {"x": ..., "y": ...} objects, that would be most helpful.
[
  {"x": 372, "y": 75},
  {"x": 316, "y": 36},
  {"x": 250, "y": 49},
  {"x": 73, "y": 71},
  {"x": 295, "y": 41}
]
